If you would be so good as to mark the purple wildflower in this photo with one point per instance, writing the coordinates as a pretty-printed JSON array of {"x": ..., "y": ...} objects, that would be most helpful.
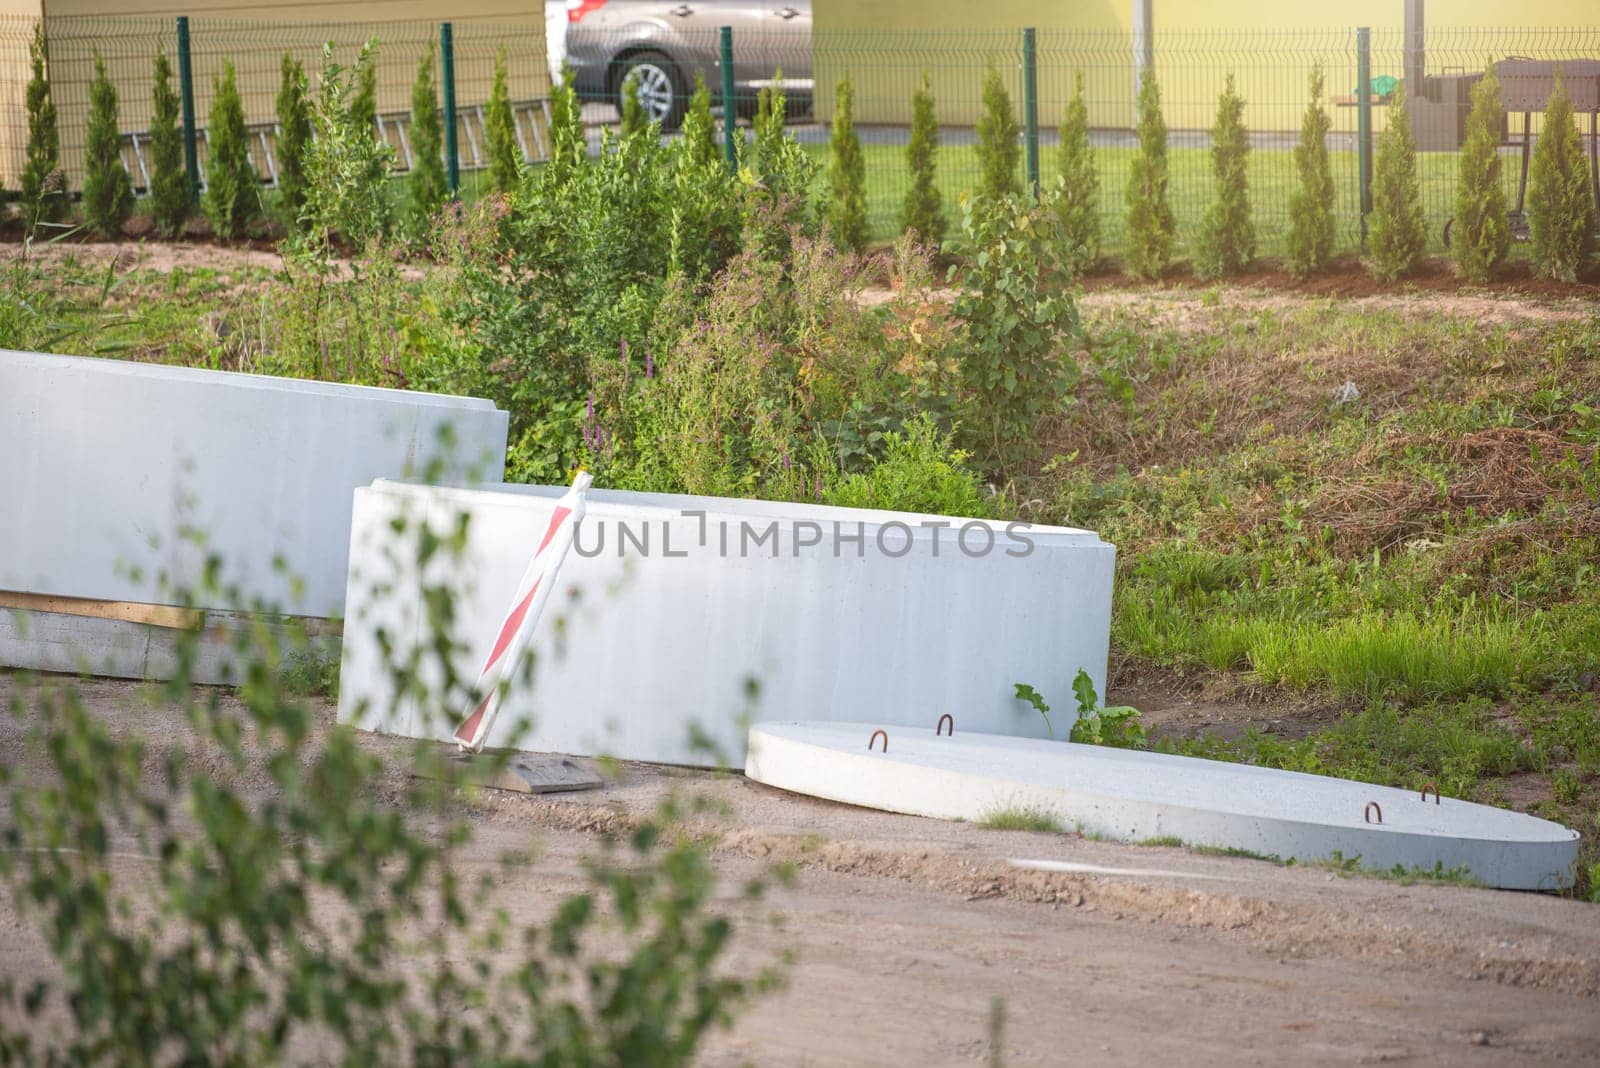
[{"x": 649, "y": 365}]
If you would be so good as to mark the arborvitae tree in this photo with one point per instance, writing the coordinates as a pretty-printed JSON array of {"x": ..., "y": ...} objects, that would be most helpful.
[
  {"x": 699, "y": 128},
  {"x": 1398, "y": 234},
  {"x": 427, "y": 180},
  {"x": 633, "y": 117},
  {"x": 1078, "y": 205},
  {"x": 1150, "y": 221},
  {"x": 294, "y": 134},
  {"x": 1560, "y": 206},
  {"x": 364, "y": 101},
  {"x": 504, "y": 165},
  {"x": 169, "y": 179},
  {"x": 1480, "y": 235},
  {"x": 233, "y": 196},
  {"x": 847, "y": 173},
  {"x": 1310, "y": 237},
  {"x": 568, "y": 144},
  {"x": 922, "y": 212},
  {"x": 998, "y": 147},
  {"x": 44, "y": 189},
  {"x": 1227, "y": 237},
  {"x": 107, "y": 189}
]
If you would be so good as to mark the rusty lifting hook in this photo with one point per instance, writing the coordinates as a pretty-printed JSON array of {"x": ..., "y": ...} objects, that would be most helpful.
[
  {"x": 1373, "y": 806},
  {"x": 1430, "y": 785},
  {"x": 875, "y": 738},
  {"x": 939, "y": 728}
]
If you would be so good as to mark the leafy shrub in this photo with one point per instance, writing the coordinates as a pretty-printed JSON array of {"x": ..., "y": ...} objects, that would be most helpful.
[
  {"x": 169, "y": 178},
  {"x": 364, "y": 95},
  {"x": 427, "y": 181},
  {"x": 1078, "y": 207},
  {"x": 1561, "y": 212},
  {"x": 777, "y": 179},
  {"x": 333, "y": 919},
  {"x": 1480, "y": 233},
  {"x": 107, "y": 189},
  {"x": 847, "y": 174},
  {"x": 1310, "y": 238},
  {"x": 999, "y": 147},
  {"x": 347, "y": 169},
  {"x": 1016, "y": 322},
  {"x": 44, "y": 186},
  {"x": 294, "y": 136},
  {"x": 920, "y": 471},
  {"x": 505, "y": 163},
  {"x": 922, "y": 212},
  {"x": 568, "y": 146},
  {"x": 1399, "y": 230},
  {"x": 1227, "y": 238},
  {"x": 1150, "y": 222},
  {"x": 233, "y": 196}
]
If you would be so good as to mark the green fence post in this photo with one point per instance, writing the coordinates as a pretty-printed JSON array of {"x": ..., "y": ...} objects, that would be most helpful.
[
  {"x": 191, "y": 149},
  {"x": 447, "y": 65},
  {"x": 730, "y": 114},
  {"x": 1030, "y": 104},
  {"x": 1364, "y": 120}
]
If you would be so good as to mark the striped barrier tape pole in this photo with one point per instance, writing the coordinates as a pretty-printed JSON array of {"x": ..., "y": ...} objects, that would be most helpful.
[{"x": 532, "y": 593}]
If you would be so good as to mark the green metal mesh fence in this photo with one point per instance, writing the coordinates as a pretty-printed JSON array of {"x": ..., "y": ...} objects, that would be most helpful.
[{"x": 1272, "y": 67}]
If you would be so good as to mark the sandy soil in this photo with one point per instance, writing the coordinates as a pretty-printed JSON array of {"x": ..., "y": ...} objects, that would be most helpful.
[{"x": 905, "y": 929}]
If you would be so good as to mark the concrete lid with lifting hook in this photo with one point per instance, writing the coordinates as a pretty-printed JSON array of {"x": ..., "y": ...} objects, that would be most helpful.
[{"x": 1133, "y": 796}]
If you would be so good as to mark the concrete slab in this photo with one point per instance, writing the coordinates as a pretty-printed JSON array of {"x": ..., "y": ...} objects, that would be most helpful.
[
  {"x": 110, "y": 465},
  {"x": 1136, "y": 796},
  {"x": 670, "y": 606}
]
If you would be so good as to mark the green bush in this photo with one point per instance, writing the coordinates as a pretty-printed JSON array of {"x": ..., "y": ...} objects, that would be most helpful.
[
  {"x": 347, "y": 169},
  {"x": 294, "y": 135},
  {"x": 999, "y": 145},
  {"x": 427, "y": 181},
  {"x": 1480, "y": 232},
  {"x": 922, "y": 212},
  {"x": 44, "y": 185},
  {"x": 1078, "y": 208},
  {"x": 233, "y": 196},
  {"x": 505, "y": 163},
  {"x": 1016, "y": 325},
  {"x": 300, "y": 896},
  {"x": 169, "y": 177},
  {"x": 633, "y": 120},
  {"x": 920, "y": 471},
  {"x": 1150, "y": 222},
  {"x": 846, "y": 215},
  {"x": 778, "y": 179},
  {"x": 1399, "y": 230},
  {"x": 107, "y": 189},
  {"x": 1310, "y": 237},
  {"x": 1227, "y": 241},
  {"x": 1561, "y": 212},
  {"x": 364, "y": 97}
]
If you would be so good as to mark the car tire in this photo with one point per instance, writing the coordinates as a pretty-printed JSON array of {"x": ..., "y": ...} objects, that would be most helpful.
[{"x": 661, "y": 87}]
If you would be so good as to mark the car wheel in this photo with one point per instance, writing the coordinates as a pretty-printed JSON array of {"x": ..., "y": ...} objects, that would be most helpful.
[{"x": 661, "y": 88}]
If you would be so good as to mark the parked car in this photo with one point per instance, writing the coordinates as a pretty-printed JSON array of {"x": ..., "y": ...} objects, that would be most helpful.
[{"x": 664, "y": 44}]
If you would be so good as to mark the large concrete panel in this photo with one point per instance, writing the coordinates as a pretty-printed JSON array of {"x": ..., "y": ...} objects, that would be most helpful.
[
  {"x": 670, "y": 604},
  {"x": 107, "y": 465},
  {"x": 1136, "y": 796}
]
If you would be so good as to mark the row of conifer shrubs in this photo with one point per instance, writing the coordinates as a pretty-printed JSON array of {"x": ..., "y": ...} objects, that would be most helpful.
[
  {"x": 235, "y": 201},
  {"x": 1561, "y": 211},
  {"x": 1560, "y": 207}
]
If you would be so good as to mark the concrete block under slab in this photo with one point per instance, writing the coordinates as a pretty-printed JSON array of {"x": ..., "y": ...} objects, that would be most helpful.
[{"x": 1134, "y": 796}]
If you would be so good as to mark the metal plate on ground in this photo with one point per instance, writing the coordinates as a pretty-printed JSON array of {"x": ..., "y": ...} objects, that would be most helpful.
[
  {"x": 1136, "y": 796},
  {"x": 526, "y": 773}
]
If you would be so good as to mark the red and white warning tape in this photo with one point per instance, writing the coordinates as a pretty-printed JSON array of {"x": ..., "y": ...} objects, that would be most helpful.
[{"x": 532, "y": 593}]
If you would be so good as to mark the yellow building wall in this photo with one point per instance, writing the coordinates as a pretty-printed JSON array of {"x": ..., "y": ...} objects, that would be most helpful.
[{"x": 255, "y": 36}]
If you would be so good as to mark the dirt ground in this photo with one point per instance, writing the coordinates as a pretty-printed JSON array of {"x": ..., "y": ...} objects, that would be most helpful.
[{"x": 905, "y": 929}]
